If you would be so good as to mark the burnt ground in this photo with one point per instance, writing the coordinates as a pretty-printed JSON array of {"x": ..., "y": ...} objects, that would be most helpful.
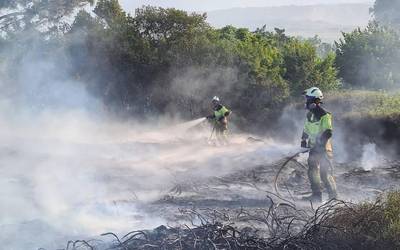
[
  {"x": 217, "y": 183},
  {"x": 243, "y": 201},
  {"x": 252, "y": 188}
]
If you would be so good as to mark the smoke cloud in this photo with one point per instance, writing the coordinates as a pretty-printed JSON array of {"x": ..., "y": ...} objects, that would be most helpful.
[{"x": 70, "y": 171}]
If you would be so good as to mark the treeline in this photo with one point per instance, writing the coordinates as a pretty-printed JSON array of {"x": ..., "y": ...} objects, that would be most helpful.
[
  {"x": 168, "y": 61},
  {"x": 370, "y": 58}
]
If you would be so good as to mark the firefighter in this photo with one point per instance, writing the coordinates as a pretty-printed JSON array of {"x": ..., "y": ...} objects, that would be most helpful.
[
  {"x": 317, "y": 135},
  {"x": 219, "y": 118}
]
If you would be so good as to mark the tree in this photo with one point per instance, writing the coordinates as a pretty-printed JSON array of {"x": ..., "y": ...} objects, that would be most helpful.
[
  {"x": 260, "y": 71},
  {"x": 169, "y": 61},
  {"x": 387, "y": 12},
  {"x": 304, "y": 68},
  {"x": 323, "y": 49},
  {"x": 176, "y": 34},
  {"x": 109, "y": 10},
  {"x": 369, "y": 58},
  {"x": 23, "y": 14}
]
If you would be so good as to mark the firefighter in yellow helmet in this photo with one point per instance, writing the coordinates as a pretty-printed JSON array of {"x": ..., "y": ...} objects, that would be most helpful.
[
  {"x": 220, "y": 120},
  {"x": 317, "y": 136}
]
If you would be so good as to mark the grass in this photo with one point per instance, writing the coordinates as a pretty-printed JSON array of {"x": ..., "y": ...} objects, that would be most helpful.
[
  {"x": 392, "y": 216},
  {"x": 369, "y": 225},
  {"x": 373, "y": 104},
  {"x": 365, "y": 117}
]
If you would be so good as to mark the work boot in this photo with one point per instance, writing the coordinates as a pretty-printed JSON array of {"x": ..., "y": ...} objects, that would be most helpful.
[{"x": 314, "y": 198}]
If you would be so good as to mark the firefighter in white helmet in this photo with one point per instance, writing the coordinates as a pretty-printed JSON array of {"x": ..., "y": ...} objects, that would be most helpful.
[
  {"x": 317, "y": 136},
  {"x": 219, "y": 118}
]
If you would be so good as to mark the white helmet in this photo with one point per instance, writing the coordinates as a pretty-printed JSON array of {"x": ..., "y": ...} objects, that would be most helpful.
[
  {"x": 215, "y": 99},
  {"x": 313, "y": 92}
]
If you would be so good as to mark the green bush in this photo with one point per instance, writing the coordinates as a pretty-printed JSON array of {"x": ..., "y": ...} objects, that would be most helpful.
[
  {"x": 369, "y": 58},
  {"x": 392, "y": 216},
  {"x": 370, "y": 224}
]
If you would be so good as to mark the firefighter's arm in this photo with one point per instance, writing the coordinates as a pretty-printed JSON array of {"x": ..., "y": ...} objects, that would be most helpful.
[
  {"x": 225, "y": 113},
  {"x": 325, "y": 136},
  {"x": 326, "y": 126},
  {"x": 304, "y": 138},
  {"x": 210, "y": 117}
]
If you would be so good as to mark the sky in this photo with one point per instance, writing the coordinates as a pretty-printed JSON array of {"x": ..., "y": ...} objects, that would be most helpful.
[{"x": 208, "y": 5}]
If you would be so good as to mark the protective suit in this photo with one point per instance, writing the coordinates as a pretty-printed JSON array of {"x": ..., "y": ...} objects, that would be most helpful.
[
  {"x": 220, "y": 121},
  {"x": 317, "y": 136}
]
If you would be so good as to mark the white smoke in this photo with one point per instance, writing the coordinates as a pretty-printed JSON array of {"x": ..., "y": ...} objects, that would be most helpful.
[
  {"x": 71, "y": 175},
  {"x": 370, "y": 157}
]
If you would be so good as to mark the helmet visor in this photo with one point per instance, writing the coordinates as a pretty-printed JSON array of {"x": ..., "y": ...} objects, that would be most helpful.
[{"x": 310, "y": 99}]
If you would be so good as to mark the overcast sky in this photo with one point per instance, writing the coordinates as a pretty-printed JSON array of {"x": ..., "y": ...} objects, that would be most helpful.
[{"x": 207, "y": 5}]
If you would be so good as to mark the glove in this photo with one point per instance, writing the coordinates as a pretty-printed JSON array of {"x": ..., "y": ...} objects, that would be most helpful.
[
  {"x": 223, "y": 121},
  {"x": 304, "y": 144},
  {"x": 210, "y": 117}
]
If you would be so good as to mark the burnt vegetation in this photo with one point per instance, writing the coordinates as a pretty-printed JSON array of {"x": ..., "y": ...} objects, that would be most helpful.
[
  {"x": 280, "y": 222},
  {"x": 334, "y": 225}
]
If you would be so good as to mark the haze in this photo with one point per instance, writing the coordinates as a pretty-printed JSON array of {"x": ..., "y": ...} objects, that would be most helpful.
[
  {"x": 306, "y": 18},
  {"x": 207, "y": 5}
]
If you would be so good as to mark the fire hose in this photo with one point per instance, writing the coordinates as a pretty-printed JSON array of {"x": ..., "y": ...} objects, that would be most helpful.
[{"x": 289, "y": 159}]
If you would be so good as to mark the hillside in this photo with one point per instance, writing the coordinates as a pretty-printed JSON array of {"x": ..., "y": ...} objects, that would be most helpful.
[{"x": 325, "y": 20}]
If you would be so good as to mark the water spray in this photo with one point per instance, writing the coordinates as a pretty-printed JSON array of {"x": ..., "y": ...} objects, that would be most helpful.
[{"x": 212, "y": 133}]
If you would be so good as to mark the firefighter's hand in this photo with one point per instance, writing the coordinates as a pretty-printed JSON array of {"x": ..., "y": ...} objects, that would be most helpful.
[
  {"x": 304, "y": 144},
  {"x": 223, "y": 121},
  {"x": 210, "y": 117}
]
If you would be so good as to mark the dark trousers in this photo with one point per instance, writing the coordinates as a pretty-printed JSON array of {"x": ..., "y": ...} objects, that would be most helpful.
[{"x": 320, "y": 167}]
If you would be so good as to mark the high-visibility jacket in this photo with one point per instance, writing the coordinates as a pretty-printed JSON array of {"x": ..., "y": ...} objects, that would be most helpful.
[
  {"x": 316, "y": 124},
  {"x": 220, "y": 112}
]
